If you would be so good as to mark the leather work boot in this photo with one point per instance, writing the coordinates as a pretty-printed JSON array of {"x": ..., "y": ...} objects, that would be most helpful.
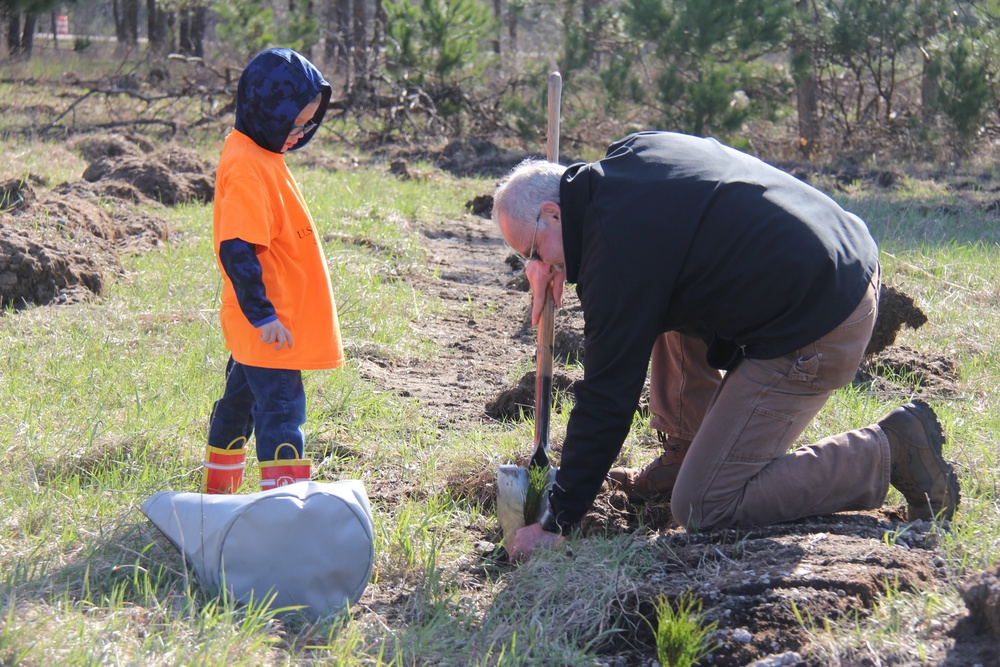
[
  {"x": 658, "y": 477},
  {"x": 918, "y": 468}
]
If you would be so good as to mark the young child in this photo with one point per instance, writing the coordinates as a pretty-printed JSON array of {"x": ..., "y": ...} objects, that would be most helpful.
[{"x": 278, "y": 313}]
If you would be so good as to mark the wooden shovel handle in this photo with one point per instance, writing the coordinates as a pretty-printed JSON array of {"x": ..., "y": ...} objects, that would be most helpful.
[
  {"x": 546, "y": 322},
  {"x": 554, "y": 100}
]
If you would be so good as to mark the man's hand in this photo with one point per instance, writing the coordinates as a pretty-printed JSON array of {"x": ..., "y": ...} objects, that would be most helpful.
[
  {"x": 530, "y": 538},
  {"x": 540, "y": 275},
  {"x": 275, "y": 332}
]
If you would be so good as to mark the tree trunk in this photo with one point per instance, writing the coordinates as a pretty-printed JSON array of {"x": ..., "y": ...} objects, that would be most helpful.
[
  {"x": 338, "y": 35},
  {"x": 928, "y": 87},
  {"x": 498, "y": 15},
  {"x": 309, "y": 47},
  {"x": 805, "y": 89},
  {"x": 156, "y": 26},
  {"x": 328, "y": 32},
  {"x": 512, "y": 20},
  {"x": 345, "y": 19},
  {"x": 28, "y": 35},
  {"x": 378, "y": 37},
  {"x": 359, "y": 41},
  {"x": 14, "y": 33},
  {"x": 130, "y": 17},
  {"x": 170, "y": 26},
  {"x": 118, "y": 14},
  {"x": 196, "y": 34},
  {"x": 151, "y": 27},
  {"x": 184, "y": 43},
  {"x": 809, "y": 131}
]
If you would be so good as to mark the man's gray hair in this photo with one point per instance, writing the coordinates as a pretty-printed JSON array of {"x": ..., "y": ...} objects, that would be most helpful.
[{"x": 529, "y": 185}]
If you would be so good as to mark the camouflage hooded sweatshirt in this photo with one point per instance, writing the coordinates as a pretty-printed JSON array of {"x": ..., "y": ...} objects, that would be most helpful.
[{"x": 267, "y": 246}]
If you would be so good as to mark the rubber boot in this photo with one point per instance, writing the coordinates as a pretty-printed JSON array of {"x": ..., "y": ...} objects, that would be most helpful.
[
  {"x": 224, "y": 467},
  {"x": 282, "y": 472},
  {"x": 658, "y": 477}
]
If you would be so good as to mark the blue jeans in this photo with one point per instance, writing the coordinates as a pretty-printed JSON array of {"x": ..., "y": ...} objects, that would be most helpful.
[{"x": 267, "y": 401}]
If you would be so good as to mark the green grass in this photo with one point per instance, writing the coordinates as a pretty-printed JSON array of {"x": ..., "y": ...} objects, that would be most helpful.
[
  {"x": 682, "y": 636},
  {"x": 103, "y": 404}
]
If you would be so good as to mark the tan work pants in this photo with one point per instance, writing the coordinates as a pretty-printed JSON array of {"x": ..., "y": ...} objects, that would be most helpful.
[{"x": 739, "y": 471}]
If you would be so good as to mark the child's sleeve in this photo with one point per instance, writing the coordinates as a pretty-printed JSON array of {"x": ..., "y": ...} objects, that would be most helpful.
[
  {"x": 239, "y": 260},
  {"x": 244, "y": 212}
]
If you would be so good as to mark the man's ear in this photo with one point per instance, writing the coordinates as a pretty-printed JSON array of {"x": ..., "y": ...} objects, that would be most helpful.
[{"x": 552, "y": 209}]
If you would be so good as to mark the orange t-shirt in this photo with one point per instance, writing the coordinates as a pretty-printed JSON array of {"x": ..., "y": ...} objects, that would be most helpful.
[{"x": 258, "y": 201}]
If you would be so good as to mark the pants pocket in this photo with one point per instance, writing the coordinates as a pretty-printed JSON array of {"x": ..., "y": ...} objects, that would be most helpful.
[{"x": 763, "y": 438}]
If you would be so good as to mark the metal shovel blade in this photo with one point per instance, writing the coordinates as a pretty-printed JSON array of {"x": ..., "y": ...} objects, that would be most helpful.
[{"x": 512, "y": 491}]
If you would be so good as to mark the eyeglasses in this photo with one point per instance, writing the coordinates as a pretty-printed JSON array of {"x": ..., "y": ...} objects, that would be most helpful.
[
  {"x": 304, "y": 129},
  {"x": 532, "y": 251}
]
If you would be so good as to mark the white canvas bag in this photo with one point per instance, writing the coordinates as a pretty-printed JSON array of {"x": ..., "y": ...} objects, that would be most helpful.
[{"x": 309, "y": 543}]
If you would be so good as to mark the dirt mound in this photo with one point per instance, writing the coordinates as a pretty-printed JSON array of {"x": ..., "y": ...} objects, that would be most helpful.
[
  {"x": 111, "y": 145},
  {"x": 75, "y": 212},
  {"x": 460, "y": 157},
  {"x": 107, "y": 211},
  {"x": 171, "y": 175},
  {"x": 903, "y": 370},
  {"x": 518, "y": 402},
  {"x": 33, "y": 271},
  {"x": 59, "y": 246},
  {"x": 481, "y": 205},
  {"x": 40, "y": 260},
  {"x": 15, "y": 194},
  {"x": 763, "y": 586},
  {"x": 472, "y": 157}
]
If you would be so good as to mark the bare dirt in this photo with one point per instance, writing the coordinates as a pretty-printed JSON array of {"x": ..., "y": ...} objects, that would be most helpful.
[{"x": 63, "y": 246}]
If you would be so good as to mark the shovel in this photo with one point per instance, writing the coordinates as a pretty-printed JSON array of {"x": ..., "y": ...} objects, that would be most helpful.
[{"x": 513, "y": 481}]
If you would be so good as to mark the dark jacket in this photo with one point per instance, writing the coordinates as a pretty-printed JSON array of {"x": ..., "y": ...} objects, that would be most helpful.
[{"x": 673, "y": 232}]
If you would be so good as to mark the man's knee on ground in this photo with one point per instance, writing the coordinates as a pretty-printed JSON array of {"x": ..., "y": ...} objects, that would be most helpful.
[{"x": 709, "y": 516}]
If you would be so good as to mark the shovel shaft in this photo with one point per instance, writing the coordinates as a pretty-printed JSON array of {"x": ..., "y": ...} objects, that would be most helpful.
[
  {"x": 543, "y": 381},
  {"x": 552, "y": 134},
  {"x": 546, "y": 322}
]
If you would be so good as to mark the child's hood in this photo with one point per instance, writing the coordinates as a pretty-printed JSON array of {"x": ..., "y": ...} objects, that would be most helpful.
[{"x": 274, "y": 88}]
